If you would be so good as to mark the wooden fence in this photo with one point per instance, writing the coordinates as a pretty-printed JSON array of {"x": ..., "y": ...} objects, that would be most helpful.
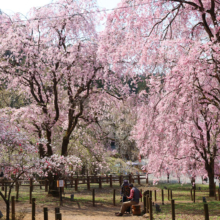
[{"x": 73, "y": 182}]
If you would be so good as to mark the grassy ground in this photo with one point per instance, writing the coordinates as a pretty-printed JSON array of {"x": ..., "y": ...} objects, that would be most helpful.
[{"x": 184, "y": 207}]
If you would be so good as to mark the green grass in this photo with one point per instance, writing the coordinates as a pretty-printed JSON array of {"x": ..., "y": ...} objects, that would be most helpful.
[{"x": 184, "y": 207}]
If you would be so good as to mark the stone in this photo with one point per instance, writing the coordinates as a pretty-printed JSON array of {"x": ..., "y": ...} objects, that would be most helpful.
[
  {"x": 158, "y": 209},
  {"x": 72, "y": 197}
]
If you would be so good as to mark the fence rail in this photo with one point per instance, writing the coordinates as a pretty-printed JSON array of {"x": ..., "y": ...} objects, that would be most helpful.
[{"x": 74, "y": 181}]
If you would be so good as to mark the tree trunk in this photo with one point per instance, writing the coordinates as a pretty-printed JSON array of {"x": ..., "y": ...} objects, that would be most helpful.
[
  {"x": 49, "y": 147},
  {"x": 41, "y": 151},
  {"x": 211, "y": 184},
  {"x": 210, "y": 170},
  {"x": 53, "y": 189},
  {"x": 65, "y": 145},
  {"x": 7, "y": 203},
  {"x": 7, "y": 209}
]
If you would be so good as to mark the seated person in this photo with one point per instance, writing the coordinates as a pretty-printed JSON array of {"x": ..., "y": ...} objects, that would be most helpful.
[
  {"x": 125, "y": 192},
  {"x": 135, "y": 194}
]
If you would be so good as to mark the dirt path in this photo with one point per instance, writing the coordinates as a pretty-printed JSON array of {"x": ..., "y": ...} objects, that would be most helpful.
[{"x": 100, "y": 212}]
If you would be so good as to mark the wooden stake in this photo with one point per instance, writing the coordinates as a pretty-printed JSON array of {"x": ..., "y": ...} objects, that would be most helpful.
[
  {"x": 150, "y": 208},
  {"x": 58, "y": 216},
  {"x": 100, "y": 182},
  {"x": 139, "y": 181},
  {"x": 194, "y": 195},
  {"x": 206, "y": 211},
  {"x": 114, "y": 197},
  {"x": 13, "y": 208},
  {"x": 162, "y": 195},
  {"x": 46, "y": 186},
  {"x": 173, "y": 209},
  {"x": 76, "y": 184},
  {"x": 88, "y": 183},
  {"x": 45, "y": 213},
  {"x": 57, "y": 210},
  {"x": 93, "y": 197},
  {"x": 33, "y": 209}
]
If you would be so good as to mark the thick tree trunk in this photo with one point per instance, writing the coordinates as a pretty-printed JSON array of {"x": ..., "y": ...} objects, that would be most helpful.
[
  {"x": 41, "y": 151},
  {"x": 53, "y": 189},
  {"x": 210, "y": 170},
  {"x": 211, "y": 184},
  {"x": 65, "y": 145},
  {"x": 49, "y": 147}
]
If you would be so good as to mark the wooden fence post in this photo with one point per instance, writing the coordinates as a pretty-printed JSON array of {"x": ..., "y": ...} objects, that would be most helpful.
[
  {"x": 46, "y": 186},
  {"x": 100, "y": 182},
  {"x": 145, "y": 194},
  {"x": 33, "y": 209},
  {"x": 147, "y": 204},
  {"x": 58, "y": 216},
  {"x": 194, "y": 195},
  {"x": 114, "y": 197},
  {"x": 13, "y": 207},
  {"x": 147, "y": 179},
  {"x": 106, "y": 178},
  {"x": 168, "y": 191},
  {"x": 61, "y": 199},
  {"x": 141, "y": 194},
  {"x": 173, "y": 209},
  {"x": 150, "y": 194},
  {"x": 155, "y": 195},
  {"x": 17, "y": 191},
  {"x": 150, "y": 208},
  {"x": 215, "y": 191},
  {"x": 76, "y": 184},
  {"x": 31, "y": 184},
  {"x": 139, "y": 180},
  {"x": 206, "y": 211},
  {"x": 171, "y": 194},
  {"x": 30, "y": 191},
  {"x": 45, "y": 213},
  {"x": 191, "y": 195},
  {"x": 88, "y": 183},
  {"x": 218, "y": 194},
  {"x": 71, "y": 181},
  {"x": 57, "y": 210},
  {"x": 162, "y": 195},
  {"x": 93, "y": 197},
  {"x": 110, "y": 180}
]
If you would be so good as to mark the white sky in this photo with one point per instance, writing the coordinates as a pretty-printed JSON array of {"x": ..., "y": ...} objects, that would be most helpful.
[{"x": 12, "y": 6}]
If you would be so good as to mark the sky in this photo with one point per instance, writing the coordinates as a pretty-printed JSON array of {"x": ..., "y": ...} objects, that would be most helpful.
[{"x": 23, "y": 6}]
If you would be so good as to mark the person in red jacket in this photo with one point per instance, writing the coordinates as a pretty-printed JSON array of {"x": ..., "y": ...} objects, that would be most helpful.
[{"x": 135, "y": 194}]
